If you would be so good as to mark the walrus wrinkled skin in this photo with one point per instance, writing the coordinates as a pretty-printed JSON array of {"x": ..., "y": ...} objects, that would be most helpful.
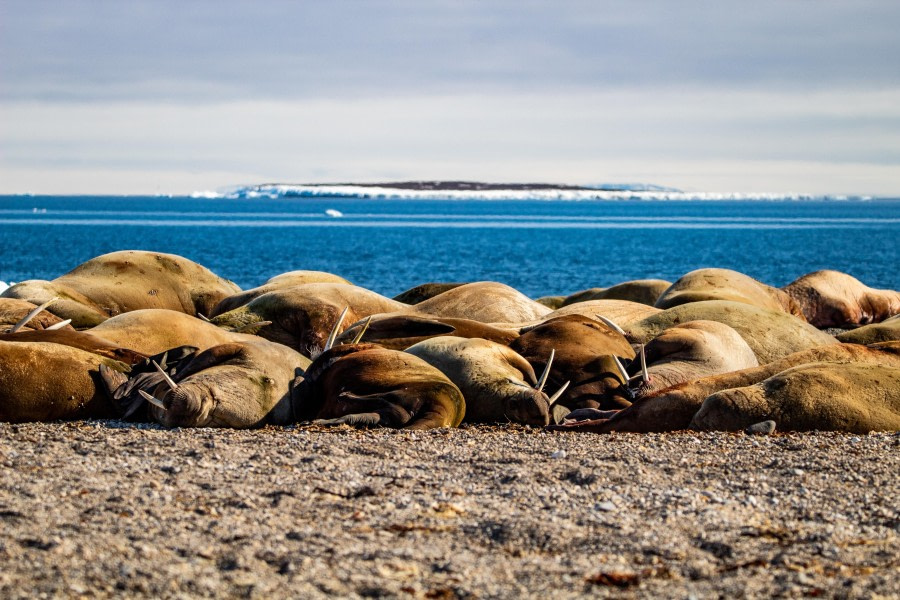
[
  {"x": 365, "y": 385},
  {"x": 584, "y": 351},
  {"x": 484, "y": 301},
  {"x": 239, "y": 385},
  {"x": 424, "y": 291},
  {"x": 725, "y": 284},
  {"x": 693, "y": 350},
  {"x": 672, "y": 409},
  {"x": 399, "y": 332},
  {"x": 303, "y": 316},
  {"x": 154, "y": 330},
  {"x": 42, "y": 381},
  {"x": 642, "y": 291},
  {"x": 771, "y": 334},
  {"x": 285, "y": 280},
  {"x": 835, "y": 299},
  {"x": 119, "y": 282},
  {"x": 821, "y": 396},
  {"x": 886, "y": 331},
  {"x": 497, "y": 383},
  {"x": 12, "y": 310}
]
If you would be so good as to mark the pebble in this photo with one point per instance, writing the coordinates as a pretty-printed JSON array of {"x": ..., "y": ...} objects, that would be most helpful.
[{"x": 763, "y": 427}]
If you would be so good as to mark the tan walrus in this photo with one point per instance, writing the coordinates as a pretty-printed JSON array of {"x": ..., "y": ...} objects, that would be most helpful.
[
  {"x": 725, "y": 284},
  {"x": 835, "y": 299}
]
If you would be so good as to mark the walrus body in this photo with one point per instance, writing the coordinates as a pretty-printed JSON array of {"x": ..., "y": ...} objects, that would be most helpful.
[
  {"x": 886, "y": 331},
  {"x": 366, "y": 385},
  {"x": 399, "y": 332},
  {"x": 424, "y": 291},
  {"x": 642, "y": 291},
  {"x": 835, "y": 299},
  {"x": 484, "y": 301},
  {"x": 303, "y": 316},
  {"x": 621, "y": 312},
  {"x": 82, "y": 340},
  {"x": 13, "y": 310},
  {"x": 771, "y": 334},
  {"x": 584, "y": 355},
  {"x": 154, "y": 330},
  {"x": 498, "y": 384},
  {"x": 120, "y": 282},
  {"x": 725, "y": 284},
  {"x": 279, "y": 282},
  {"x": 41, "y": 381},
  {"x": 238, "y": 384},
  {"x": 820, "y": 396}
]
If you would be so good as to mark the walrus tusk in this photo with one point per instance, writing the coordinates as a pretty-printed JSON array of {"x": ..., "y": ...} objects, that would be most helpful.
[
  {"x": 644, "y": 374},
  {"x": 543, "y": 380},
  {"x": 244, "y": 328},
  {"x": 59, "y": 325},
  {"x": 152, "y": 399},
  {"x": 334, "y": 332},
  {"x": 165, "y": 375},
  {"x": 611, "y": 324},
  {"x": 558, "y": 394},
  {"x": 32, "y": 315},
  {"x": 360, "y": 335},
  {"x": 203, "y": 317},
  {"x": 622, "y": 372}
]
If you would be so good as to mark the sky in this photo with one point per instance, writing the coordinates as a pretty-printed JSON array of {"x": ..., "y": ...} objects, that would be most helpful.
[{"x": 131, "y": 97}]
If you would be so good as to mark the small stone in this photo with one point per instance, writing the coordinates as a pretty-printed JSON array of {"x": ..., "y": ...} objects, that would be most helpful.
[
  {"x": 762, "y": 427},
  {"x": 558, "y": 454},
  {"x": 797, "y": 472},
  {"x": 605, "y": 506}
]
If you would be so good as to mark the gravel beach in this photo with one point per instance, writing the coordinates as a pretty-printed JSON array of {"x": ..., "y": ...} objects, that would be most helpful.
[{"x": 105, "y": 508}]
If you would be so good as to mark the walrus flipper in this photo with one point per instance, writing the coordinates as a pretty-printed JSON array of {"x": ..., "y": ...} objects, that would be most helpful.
[{"x": 372, "y": 419}]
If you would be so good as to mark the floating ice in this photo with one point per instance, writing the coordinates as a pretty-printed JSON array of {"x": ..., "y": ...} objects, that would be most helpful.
[
  {"x": 3, "y": 286},
  {"x": 334, "y": 213}
]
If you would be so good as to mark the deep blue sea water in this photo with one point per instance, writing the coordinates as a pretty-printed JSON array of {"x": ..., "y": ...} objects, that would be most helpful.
[{"x": 540, "y": 247}]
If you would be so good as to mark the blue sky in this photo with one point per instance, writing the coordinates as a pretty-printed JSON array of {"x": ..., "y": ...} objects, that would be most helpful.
[{"x": 138, "y": 97}]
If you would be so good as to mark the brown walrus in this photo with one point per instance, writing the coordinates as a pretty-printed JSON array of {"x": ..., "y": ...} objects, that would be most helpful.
[
  {"x": 672, "y": 409},
  {"x": 886, "y": 331},
  {"x": 13, "y": 311},
  {"x": 303, "y": 316},
  {"x": 124, "y": 281},
  {"x": 42, "y": 381},
  {"x": 485, "y": 301},
  {"x": 365, "y": 385},
  {"x": 285, "y": 280},
  {"x": 497, "y": 383},
  {"x": 820, "y": 396},
  {"x": 835, "y": 299},
  {"x": 725, "y": 284},
  {"x": 642, "y": 291},
  {"x": 585, "y": 352},
  {"x": 621, "y": 312},
  {"x": 238, "y": 384},
  {"x": 424, "y": 291}
]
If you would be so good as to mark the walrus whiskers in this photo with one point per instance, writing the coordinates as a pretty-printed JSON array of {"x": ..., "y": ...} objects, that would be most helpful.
[
  {"x": 172, "y": 384},
  {"x": 553, "y": 399},
  {"x": 59, "y": 325},
  {"x": 152, "y": 399},
  {"x": 24, "y": 321},
  {"x": 543, "y": 380},
  {"x": 611, "y": 324},
  {"x": 334, "y": 332},
  {"x": 362, "y": 332}
]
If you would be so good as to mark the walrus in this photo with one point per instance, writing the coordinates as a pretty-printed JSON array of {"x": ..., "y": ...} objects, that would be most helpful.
[
  {"x": 586, "y": 354},
  {"x": 424, "y": 291},
  {"x": 820, "y": 396},
  {"x": 237, "y": 384},
  {"x": 365, "y": 385},
  {"x": 285, "y": 280},
  {"x": 693, "y": 350},
  {"x": 672, "y": 409},
  {"x": 485, "y": 301},
  {"x": 498, "y": 385},
  {"x": 123, "y": 281},
  {"x": 642, "y": 291},
  {"x": 835, "y": 299},
  {"x": 400, "y": 331},
  {"x": 772, "y": 334},
  {"x": 725, "y": 284},
  {"x": 154, "y": 330},
  {"x": 42, "y": 381},
  {"x": 621, "y": 312},
  {"x": 82, "y": 340},
  {"x": 302, "y": 316},
  {"x": 885, "y": 331},
  {"x": 13, "y": 313}
]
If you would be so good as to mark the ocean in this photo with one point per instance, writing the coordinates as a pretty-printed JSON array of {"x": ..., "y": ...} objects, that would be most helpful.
[{"x": 539, "y": 245}]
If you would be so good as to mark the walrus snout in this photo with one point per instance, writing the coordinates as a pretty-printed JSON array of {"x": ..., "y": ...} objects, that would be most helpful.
[
  {"x": 529, "y": 408},
  {"x": 186, "y": 406}
]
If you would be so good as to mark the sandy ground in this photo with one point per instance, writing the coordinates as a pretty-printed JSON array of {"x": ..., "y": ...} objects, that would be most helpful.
[{"x": 101, "y": 509}]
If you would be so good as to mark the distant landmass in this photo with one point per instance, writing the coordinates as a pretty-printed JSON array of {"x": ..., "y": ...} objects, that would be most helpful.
[{"x": 479, "y": 186}]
